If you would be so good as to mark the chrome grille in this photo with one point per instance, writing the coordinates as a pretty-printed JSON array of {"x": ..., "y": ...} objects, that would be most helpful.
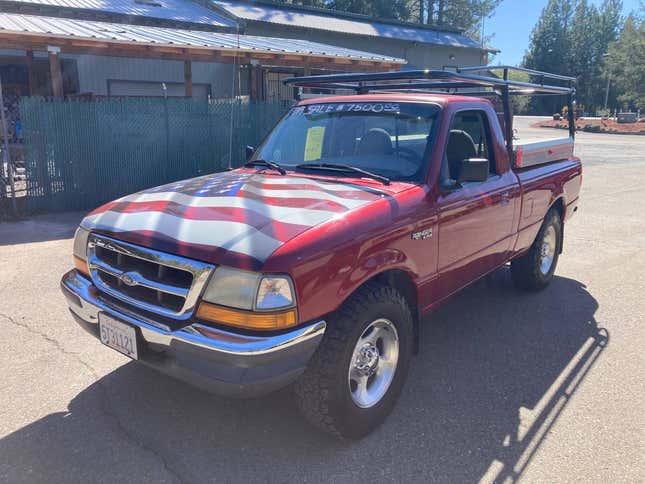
[{"x": 162, "y": 283}]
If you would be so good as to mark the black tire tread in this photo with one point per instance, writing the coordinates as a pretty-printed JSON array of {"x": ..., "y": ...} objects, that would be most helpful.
[
  {"x": 314, "y": 388},
  {"x": 525, "y": 270}
]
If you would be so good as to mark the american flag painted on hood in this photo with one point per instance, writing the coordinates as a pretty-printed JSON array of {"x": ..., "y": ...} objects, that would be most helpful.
[{"x": 234, "y": 217}]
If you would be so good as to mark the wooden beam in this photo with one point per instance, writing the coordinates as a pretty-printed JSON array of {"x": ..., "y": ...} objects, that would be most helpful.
[
  {"x": 188, "y": 78},
  {"x": 30, "y": 72},
  {"x": 56, "y": 74}
]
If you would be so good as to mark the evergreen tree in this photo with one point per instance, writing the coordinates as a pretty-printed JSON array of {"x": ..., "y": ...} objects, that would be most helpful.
[
  {"x": 571, "y": 38},
  {"x": 389, "y": 9},
  {"x": 585, "y": 53},
  {"x": 549, "y": 48},
  {"x": 626, "y": 62}
]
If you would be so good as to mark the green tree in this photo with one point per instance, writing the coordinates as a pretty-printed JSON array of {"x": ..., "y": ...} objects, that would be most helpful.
[
  {"x": 390, "y": 9},
  {"x": 549, "y": 43},
  {"x": 626, "y": 62},
  {"x": 467, "y": 14},
  {"x": 571, "y": 38},
  {"x": 584, "y": 55},
  {"x": 549, "y": 48},
  {"x": 520, "y": 104}
]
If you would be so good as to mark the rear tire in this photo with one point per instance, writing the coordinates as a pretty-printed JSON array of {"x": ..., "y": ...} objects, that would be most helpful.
[
  {"x": 534, "y": 270},
  {"x": 356, "y": 375}
]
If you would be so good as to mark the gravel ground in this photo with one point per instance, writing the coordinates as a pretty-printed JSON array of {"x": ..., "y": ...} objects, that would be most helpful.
[{"x": 508, "y": 387}]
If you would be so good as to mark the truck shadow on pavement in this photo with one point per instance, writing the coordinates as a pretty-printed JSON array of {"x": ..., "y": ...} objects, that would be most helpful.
[{"x": 496, "y": 368}]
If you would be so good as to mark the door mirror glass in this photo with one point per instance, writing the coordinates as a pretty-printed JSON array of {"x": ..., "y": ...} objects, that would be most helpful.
[
  {"x": 473, "y": 170},
  {"x": 249, "y": 152}
]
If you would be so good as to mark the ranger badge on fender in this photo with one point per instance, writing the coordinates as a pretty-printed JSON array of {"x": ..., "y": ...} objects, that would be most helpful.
[{"x": 422, "y": 235}]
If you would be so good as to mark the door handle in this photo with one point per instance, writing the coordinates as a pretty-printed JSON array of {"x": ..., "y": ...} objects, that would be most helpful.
[{"x": 505, "y": 198}]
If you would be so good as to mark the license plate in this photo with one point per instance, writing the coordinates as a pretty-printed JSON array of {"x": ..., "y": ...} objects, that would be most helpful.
[{"x": 118, "y": 335}]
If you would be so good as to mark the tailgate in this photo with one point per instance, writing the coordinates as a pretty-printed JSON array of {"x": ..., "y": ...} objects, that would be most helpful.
[{"x": 544, "y": 151}]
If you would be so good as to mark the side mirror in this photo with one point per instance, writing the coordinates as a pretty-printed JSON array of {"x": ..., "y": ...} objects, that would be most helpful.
[
  {"x": 249, "y": 152},
  {"x": 474, "y": 170}
]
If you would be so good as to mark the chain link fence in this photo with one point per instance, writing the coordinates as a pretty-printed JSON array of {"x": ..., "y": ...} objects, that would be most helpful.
[{"x": 80, "y": 154}]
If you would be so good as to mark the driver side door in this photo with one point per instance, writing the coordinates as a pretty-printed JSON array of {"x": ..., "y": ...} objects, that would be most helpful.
[{"x": 474, "y": 218}]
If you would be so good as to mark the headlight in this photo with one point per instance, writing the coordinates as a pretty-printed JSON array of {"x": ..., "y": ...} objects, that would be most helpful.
[
  {"x": 232, "y": 288},
  {"x": 267, "y": 301},
  {"x": 80, "y": 251}
]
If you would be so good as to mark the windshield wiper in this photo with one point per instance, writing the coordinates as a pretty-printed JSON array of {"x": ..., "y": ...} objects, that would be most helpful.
[
  {"x": 347, "y": 168},
  {"x": 268, "y": 164}
]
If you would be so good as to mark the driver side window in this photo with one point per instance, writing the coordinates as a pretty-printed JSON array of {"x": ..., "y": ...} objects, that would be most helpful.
[{"x": 469, "y": 138}]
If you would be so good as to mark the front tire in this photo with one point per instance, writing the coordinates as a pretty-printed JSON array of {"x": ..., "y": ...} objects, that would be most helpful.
[
  {"x": 534, "y": 270},
  {"x": 358, "y": 371}
]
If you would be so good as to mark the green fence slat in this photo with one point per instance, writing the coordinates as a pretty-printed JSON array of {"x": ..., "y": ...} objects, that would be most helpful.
[{"x": 80, "y": 154}]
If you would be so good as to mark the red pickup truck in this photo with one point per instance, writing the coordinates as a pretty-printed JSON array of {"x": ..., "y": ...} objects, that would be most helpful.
[{"x": 315, "y": 262}]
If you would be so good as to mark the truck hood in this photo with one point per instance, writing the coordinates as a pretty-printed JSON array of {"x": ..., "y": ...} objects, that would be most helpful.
[{"x": 236, "y": 218}]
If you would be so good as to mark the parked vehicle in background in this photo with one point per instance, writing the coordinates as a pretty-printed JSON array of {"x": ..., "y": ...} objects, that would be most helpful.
[{"x": 315, "y": 262}]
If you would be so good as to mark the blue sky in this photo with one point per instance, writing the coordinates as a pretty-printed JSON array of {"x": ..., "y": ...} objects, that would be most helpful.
[{"x": 513, "y": 22}]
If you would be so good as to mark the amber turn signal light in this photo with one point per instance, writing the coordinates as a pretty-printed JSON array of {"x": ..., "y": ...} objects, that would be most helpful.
[
  {"x": 247, "y": 319},
  {"x": 81, "y": 266}
]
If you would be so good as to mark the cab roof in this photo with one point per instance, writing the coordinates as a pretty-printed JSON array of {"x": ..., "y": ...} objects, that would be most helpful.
[{"x": 441, "y": 99}]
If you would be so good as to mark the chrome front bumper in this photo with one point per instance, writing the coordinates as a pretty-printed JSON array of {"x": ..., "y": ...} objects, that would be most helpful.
[{"x": 219, "y": 361}]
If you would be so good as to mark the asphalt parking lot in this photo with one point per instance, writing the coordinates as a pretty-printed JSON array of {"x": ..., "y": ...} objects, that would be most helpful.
[{"x": 537, "y": 388}]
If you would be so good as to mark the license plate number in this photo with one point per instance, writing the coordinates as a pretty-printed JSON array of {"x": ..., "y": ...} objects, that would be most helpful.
[{"x": 118, "y": 335}]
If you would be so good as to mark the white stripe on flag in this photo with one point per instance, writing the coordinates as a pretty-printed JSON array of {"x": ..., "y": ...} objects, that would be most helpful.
[
  {"x": 313, "y": 194},
  {"x": 235, "y": 236},
  {"x": 294, "y": 215}
]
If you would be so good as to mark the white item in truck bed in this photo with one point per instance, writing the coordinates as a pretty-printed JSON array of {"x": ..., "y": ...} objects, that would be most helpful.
[{"x": 543, "y": 151}]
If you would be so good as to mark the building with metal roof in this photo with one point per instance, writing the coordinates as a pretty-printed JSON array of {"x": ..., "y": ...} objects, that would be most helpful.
[
  {"x": 266, "y": 12},
  {"x": 59, "y": 56},
  {"x": 202, "y": 48},
  {"x": 422, "y": 46}
]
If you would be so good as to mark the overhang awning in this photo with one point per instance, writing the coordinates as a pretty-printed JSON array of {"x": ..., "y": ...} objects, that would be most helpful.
[{"x": 115, "y": 39}]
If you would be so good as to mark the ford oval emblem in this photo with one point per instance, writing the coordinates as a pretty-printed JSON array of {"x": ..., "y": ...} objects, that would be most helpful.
[{"x": 128, "y": 279}]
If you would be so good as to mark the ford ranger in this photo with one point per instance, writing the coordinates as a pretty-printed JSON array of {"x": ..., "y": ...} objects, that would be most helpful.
[{"x": 314, "y": 263}]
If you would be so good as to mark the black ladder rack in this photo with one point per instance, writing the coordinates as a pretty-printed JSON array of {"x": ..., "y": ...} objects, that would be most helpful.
[{"x": 452, "y": 82}]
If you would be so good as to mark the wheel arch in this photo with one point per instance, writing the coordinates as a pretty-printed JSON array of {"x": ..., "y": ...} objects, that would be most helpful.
[
  {"x": 403, "y": 282},
  {"x": 559, "y": 206}
]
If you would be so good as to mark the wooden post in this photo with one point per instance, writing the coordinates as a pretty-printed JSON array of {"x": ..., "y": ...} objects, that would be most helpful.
[
  {"x": 31, "y": 74},
  {"x": 188, "y": 78},
  {"x": 254, "y": 82},
  {"x": 55, "y": 71},
  {"x": 306, "y": 72}
]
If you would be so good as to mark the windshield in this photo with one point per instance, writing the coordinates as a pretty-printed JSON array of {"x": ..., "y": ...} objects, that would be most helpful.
[{"x": 388, "y": 139}]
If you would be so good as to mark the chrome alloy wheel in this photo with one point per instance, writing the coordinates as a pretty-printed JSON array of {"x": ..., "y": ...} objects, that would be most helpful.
[
  {"x": 547, "y": 250},
  {"x": 373, "y": 364}
]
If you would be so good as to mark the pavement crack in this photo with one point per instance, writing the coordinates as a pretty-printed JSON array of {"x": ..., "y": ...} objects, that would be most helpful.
[
  {"x": 47, "y": 338},
  {"x": 106, "y": 402}
]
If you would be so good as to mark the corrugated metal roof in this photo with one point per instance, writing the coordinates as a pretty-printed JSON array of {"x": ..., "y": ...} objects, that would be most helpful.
[
  {"x": 336, "y": 22},
  {"x": 138, "y": 34},
  {"x": 177, "y": 10}
]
